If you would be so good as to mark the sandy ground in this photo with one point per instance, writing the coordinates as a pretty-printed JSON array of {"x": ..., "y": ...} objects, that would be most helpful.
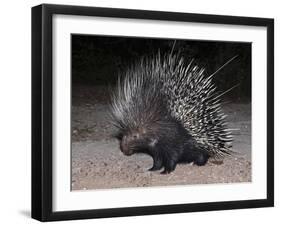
[{"x": 97, "y": 161}]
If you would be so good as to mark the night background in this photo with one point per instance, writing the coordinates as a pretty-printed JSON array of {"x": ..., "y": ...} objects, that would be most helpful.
[{"x": 96, "y": 60}]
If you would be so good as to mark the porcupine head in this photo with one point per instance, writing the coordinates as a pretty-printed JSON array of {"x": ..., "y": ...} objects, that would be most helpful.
[{"x": 137, "y": 110}]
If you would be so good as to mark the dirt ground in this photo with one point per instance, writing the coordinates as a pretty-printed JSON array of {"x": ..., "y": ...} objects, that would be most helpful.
[{"x": 97, "y": 162}]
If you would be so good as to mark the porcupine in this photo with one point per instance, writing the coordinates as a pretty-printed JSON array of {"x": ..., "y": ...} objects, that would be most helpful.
[{"x": 170, "y": 110}]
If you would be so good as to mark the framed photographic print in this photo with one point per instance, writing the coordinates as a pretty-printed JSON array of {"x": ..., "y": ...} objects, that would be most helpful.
[{"x": 144, "y": 112}]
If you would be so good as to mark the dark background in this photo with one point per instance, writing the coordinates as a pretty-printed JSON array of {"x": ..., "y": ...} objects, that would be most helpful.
[{"x": 96, "y": 60}]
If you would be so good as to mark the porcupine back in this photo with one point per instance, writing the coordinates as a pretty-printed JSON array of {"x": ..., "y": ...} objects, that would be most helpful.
[{"x": 161, "y": 85}]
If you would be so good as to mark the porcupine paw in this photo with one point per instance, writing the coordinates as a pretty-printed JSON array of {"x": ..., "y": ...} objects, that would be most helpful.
[{"x": 170, "y": 166}]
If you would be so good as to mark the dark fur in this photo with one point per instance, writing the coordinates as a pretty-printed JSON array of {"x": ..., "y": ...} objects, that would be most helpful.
[{"x": 167, "y": 142}]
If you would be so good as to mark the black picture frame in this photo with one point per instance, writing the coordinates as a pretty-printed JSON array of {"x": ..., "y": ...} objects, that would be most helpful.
[{"x": 42, "y": 111}]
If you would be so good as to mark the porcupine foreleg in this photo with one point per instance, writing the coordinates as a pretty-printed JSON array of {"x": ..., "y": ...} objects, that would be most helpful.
[
  {"x": 157, "y": 159},
  {"x": 163, "y": 156},
  {"x": 170, "y": 160},
  {"x": 157, "y": 163}
]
